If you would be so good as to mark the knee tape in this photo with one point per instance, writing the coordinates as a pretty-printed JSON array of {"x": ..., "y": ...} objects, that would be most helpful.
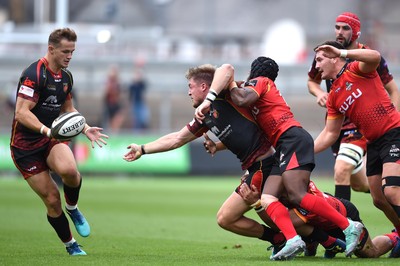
[
  {"x": 351, "y": 154},
  {"x": 393, "y": 181}
]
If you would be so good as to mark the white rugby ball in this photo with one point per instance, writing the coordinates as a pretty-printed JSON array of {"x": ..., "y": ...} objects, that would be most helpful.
[{"x": 68, "y": 125}]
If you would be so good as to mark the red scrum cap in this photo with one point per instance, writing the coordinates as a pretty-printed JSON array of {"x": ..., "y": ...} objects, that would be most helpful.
[{"x": 353, "y": 21}]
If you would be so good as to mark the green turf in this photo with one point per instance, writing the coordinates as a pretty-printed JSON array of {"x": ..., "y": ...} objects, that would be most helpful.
[{"x": 149, "y": 221}]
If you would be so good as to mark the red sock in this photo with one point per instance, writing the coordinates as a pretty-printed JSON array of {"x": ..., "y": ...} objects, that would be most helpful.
[
  {"x": 393, "y": 238},
  {"x": 280, "y": 216},
  {"x": 322, "y": 208},
  {"x": 328, "y": 242}
]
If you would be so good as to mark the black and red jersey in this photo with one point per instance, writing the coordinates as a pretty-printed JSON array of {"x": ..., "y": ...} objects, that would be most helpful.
[
  {"x": 49, "y": 91},
  {"x": 235, "y": 128}
]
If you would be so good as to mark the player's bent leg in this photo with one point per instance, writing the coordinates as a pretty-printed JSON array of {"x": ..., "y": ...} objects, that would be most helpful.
[
  {"x": 230, "y": 217},
  {"x": 47, "y": 190},
  {"x": 359, "y": 181},
  {"x": 352, "y": 233},
  {"x": 62, "y": 161},
  {"x": 380, "y": 201}
]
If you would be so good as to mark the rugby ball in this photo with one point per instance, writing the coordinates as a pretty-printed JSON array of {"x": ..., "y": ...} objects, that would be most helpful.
[{"x": 67, "y": 126}]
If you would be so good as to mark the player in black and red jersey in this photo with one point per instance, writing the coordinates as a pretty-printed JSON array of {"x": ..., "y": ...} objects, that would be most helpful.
[
  {"x": 358, "y": 94},
  {"x": 293, "y": 144},
  {"x": 238, "y": 131},
  {"x": 349, "y": 149},
  {"x": 366, "y": 248},
  {"x": 43, "y": 93}
]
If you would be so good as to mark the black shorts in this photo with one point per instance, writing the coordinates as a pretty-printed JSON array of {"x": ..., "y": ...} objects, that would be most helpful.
[
  {"x": 259, "y": 172},
  {"x": 295, "y": 150},
  {"x": 351, "y": 135},
  {"x": 33, "y": 162},
  {"x": 385, "y": 149}
]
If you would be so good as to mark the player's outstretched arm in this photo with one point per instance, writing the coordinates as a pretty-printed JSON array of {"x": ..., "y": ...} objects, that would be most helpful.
[{"x": 165, "y": 143}]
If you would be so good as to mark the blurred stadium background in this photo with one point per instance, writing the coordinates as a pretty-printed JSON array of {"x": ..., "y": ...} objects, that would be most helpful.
[{"x": 167, "y": 37}]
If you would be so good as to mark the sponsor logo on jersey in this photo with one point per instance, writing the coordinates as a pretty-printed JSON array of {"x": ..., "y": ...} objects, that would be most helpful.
[
  {"x": 26, "y": 91},
  {"x": 51, "y": 87},
  {"x": 51, "y": 99},
  {"x": 252, "y": 82},
  {"x": 215, "y": 130},
  {"x": 350, "y": 100},
  {"x": 28, "y": 82},
  {"x": 348, "y": 86}
]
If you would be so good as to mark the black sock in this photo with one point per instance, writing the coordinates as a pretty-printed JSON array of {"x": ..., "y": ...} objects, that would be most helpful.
[
  {"x": 272, "y": 236},
  {"x": 317, "y": 235},
  {"x": 72, "y": 193},
  {"x": 343, "y": 191},
  {"x": 61, "y": 226}
]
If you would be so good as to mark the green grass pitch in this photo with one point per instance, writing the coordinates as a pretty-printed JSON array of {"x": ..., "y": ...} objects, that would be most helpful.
[{"x": 150, "y": 221}]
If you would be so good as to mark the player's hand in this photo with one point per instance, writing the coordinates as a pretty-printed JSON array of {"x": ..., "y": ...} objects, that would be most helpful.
[
  {"x": 249, "y": 195},
  {"x": 329, "y": 51},
  {"x": 201, "y": 110},
  {"x": 134, "y": 153},
  {"x": 322, "y": 98},
  {"x": 95, "y": 136},
  {"x": 209, "y": 145}
]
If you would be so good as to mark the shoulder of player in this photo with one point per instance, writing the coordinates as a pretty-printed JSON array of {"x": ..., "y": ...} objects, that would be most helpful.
[{"x": 31, "y": 74}]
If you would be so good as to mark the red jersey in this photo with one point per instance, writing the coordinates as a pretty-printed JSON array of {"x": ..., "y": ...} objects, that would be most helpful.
[
  {"x": 362, "y": 98},
  {"x": 271, "y": 110},
  {"x": 383, "y": 72}
]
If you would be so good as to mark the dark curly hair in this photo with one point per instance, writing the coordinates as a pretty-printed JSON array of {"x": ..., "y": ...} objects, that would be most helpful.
[{"x": 264, "y": 67}]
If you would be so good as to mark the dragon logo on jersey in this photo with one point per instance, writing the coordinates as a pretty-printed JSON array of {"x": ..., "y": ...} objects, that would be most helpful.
[
  {"x": 51, "y": 99},
  {"x": 215, "y": 114}
]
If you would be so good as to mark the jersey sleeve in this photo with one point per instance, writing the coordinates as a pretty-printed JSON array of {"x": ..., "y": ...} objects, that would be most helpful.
[
  {"x": 383, "y": 72},
  {"x": 28, "y": 86},
  {"x": 196, "y": 128}
]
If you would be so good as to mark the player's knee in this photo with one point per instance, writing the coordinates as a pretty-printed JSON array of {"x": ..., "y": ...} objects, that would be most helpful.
[
  {"x": 222, "y": 220},
  {"x": 53, "y": 202}
]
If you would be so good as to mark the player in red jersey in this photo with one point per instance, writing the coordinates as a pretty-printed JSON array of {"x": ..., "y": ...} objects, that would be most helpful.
[
  {"x": 349, "y": 149},
  {"x": 294, "y": 146},
  {"x": 358, "y": 93},
  {"x": 366, "y": 248},
  {"x": 43, "y": 93}
]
